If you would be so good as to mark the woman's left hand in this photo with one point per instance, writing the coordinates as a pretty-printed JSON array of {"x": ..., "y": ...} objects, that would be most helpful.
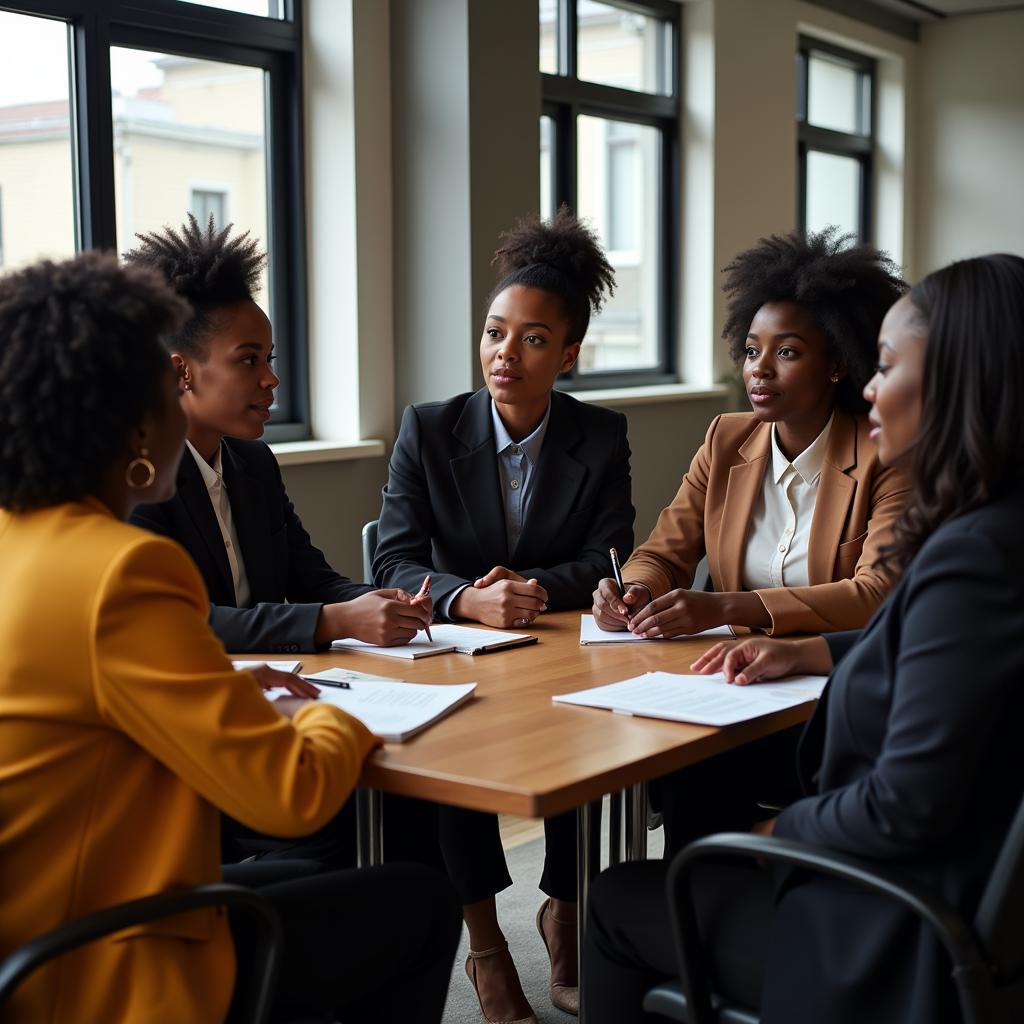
[{"x": 678, "y": 613}]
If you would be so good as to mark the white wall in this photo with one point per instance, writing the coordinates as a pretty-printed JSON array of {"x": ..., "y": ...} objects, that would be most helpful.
[{"x": 970, "y": 138}]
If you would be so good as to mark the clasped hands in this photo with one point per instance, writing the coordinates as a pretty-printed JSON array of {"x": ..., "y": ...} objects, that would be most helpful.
[
  {"x": 501, "y": 598},
  {"x": 677, "y": 613}
]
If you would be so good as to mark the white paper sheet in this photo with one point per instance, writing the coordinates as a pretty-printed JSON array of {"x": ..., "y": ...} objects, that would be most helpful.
[
  {"x": 391, "y": 709},
  {"x": 702, "y": 700},
  {"x": 467, "y": 639},
  {"x": 592, "y": 633},
  {"x": 418, "y": 647},
  {"x": 281, "y": 666}
]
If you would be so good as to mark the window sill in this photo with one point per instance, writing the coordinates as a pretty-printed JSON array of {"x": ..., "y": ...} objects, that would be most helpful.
[
  {"x": 300, "y": 453},
  {"x": 651, "y": 394}
]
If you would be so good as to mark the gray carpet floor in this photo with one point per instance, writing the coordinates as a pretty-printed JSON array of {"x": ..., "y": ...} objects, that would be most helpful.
[{"x": 517, "y": 908}]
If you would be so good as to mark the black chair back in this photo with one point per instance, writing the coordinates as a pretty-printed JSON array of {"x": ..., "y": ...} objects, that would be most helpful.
[{"x": 369, "y": 549}]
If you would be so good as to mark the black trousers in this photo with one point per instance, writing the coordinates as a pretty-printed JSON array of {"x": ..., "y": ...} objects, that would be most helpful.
[
  {"x": 629, "y": 947},
  {"x": 467, "y": 845},
  {"x": 374, "y": 946},
  {"x": 726, "y": 793}
]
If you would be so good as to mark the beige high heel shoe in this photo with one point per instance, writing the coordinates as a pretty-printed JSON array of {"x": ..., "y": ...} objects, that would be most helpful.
[
  {"x": 564, "y": 997},
  {"x": 471, "y": 974}
]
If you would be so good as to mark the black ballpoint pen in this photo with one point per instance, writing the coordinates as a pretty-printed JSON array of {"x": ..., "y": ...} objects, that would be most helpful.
[{"x": 617, "y": 572}]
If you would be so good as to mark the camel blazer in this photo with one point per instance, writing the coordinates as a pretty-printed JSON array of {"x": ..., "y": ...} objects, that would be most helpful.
[
  {"x": 123, "y": 731},
  {"x": 858, "y": 501}
]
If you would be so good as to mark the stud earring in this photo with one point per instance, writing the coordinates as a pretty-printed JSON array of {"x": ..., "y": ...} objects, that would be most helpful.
[{"x": 834, "y": 378}]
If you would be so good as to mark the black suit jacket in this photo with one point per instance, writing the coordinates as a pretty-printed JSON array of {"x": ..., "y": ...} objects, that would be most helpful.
[
  {"x": 443, "y": 512},
  {"x": 913, "y": 760},
  {"x": 281, "y": 562}
]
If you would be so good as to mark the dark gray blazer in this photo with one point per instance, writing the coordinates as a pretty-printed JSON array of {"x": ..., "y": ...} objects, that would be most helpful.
[
  {"x": 281, "y": 562},
  {"x": 443, "y": 512},
  {"x": 912, "y": 759}
]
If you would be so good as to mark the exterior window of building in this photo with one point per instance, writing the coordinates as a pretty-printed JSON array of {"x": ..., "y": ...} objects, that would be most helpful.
[
  {"x": 835, "y": 95},
  {"x": 609, "y": 141},
  {"x": 161, "y": 109}
]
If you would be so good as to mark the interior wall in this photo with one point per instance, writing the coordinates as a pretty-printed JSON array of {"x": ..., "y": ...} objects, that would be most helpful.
[{"x": 970, "y": 138}]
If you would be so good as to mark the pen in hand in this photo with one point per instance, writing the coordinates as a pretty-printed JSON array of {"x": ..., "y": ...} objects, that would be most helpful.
[
  {"x": 617, "y": 572},
  {"x": 425, "y": 592}
]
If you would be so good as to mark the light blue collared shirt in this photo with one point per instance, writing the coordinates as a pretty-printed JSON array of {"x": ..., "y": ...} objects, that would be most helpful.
[{"x": 517, "y": 473}]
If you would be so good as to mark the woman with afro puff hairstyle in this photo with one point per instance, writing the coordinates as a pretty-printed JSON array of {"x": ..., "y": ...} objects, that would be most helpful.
[
  {"x": 788, "y": 501},
  {"x": 123, "y": 726},
  {"x": 509, "y": 498}
]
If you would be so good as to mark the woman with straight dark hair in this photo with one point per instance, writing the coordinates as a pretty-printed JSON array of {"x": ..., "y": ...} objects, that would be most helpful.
[{"x": 912, "y": 758}]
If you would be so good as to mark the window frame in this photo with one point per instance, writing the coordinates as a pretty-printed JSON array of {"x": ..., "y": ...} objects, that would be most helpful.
[
  {"x": 859, "y": 145},
  {"x": 207, "y": 33},
  {"x": 564, "y": 98}
]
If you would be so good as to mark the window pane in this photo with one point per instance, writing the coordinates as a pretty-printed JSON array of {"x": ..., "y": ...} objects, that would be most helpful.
[
  {"x": 836, "y": 95},
  {"x": 547, "y": 167},
  {"x": 622, "y": 48},
  {"x": 264, "y": 8},
  {"x": 833, "y": 192},
  {"x": 619, "y": 193},
  {"x": 188, "y": 137},
  {"x": 37, "y": 201},
  {"x": 549, "y": 36}
]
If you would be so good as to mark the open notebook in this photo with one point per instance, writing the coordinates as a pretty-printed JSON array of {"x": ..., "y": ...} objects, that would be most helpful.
[
  {"x": 390, "y": 708},
  {"x": 592, "y": 633},
  {"x": 702, "y": 700},
  {"x": 447, "y": 638}
]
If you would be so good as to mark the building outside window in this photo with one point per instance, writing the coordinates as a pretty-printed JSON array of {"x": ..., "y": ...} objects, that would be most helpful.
[
  {"x": 203, "y": 112},
  {"x": 609, "y": 149},
  {"x": 835, "y": 129}
]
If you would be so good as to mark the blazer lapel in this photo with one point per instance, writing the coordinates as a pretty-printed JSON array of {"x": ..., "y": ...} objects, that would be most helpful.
[
  {"x": 476, "y": 479},
  {"x": 745, "y": 480},
  {"x": 835, "y": 492},
  {"x": 559, "y": 479},
  {"x": 196, "y": 500},
  {"x": 251, "y": 519}
]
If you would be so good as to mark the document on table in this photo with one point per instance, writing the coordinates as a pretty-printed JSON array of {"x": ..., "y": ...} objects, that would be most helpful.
[
  {"x": 390, "y": 708},
  {"x": 470, "y": 640},
  {"x": 418, "y": 647},
  {"x": 702, "y": 700},
  {"x": 281, "y": 666},
  {"x": 592, "y": 633}
]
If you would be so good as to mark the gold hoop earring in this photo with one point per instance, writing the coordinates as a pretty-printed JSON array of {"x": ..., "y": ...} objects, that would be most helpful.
[{"x": 140, "y": 461}]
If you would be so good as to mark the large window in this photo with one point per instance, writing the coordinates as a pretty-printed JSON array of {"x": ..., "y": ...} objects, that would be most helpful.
[
  {"x": 121, "y": 117},
  {"x": 609, "y": 149},
  {"x": 835, "y": 90}
]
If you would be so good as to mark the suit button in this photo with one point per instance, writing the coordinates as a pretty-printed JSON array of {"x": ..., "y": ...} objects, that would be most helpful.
[{"x": 514, "y": 484}]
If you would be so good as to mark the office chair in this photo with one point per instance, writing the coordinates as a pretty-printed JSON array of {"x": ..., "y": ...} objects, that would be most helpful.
[
  {"x": 987, "y": 955},
  {"x": 369, "y": 549},
  {"x": 263, "y": 919}
]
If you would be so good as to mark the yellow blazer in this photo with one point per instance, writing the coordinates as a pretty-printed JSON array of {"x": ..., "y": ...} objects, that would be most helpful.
[
  {"x": 123, "y": 730},
  {"x": 858, "y": 501}
]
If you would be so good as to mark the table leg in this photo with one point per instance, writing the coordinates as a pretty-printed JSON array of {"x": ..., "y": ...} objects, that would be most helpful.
[
  {"x": 636, "y": 822},
  {"x": 369, "y": 826},
  {"x": 615, "y": 828}
]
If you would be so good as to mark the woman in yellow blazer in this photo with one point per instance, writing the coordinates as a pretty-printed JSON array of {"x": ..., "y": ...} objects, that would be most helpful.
[
  {"x": 788, "y": 501},
  {"x": 123, "y": 728}
]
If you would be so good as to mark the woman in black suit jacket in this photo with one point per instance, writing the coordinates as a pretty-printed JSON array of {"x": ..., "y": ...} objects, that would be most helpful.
[
  {"x": 912, "y": 757},
  {"x": 285, "y": 598},
  {"x": 509, "y": 499}
]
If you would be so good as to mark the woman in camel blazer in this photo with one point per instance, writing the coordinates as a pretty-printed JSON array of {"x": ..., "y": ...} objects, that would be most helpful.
[
  {"x": 123, "y": 727},
  {"x": 796, "y": 476}
]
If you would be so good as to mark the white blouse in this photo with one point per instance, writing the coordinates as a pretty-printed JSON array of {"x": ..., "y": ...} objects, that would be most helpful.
[{"x": 780, "y": 526}]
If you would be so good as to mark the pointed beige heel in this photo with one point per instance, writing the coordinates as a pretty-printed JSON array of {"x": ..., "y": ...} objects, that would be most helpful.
[
  {"x": 471, "y": 974},
  {"x": 563, "y": 997}
]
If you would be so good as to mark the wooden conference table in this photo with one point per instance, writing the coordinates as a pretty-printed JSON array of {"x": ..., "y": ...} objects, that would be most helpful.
[{"x": 512, "y": 750}]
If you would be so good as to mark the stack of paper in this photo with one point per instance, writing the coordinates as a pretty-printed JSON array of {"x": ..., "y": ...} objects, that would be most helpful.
[
  {"x": 447, "y": 638},
  {"x": 390, "y": 708},
  {"x": 592, "y": 633},
  {"x": 703, "y": 700},
  {"x": 281, "y": 666}
]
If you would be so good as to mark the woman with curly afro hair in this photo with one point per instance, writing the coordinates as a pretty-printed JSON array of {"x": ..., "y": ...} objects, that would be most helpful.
[
  {"x": 509, "y": 498},
  {"x": 123, "y": 726},
  {"x": 788, "y": 501}
]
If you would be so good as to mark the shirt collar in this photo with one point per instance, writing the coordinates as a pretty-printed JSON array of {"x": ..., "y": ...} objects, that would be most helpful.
[
  {"x": 530, "y": 445},
  {"x": 807, "y": 465},
  {"x": 212, "y": 475}
]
